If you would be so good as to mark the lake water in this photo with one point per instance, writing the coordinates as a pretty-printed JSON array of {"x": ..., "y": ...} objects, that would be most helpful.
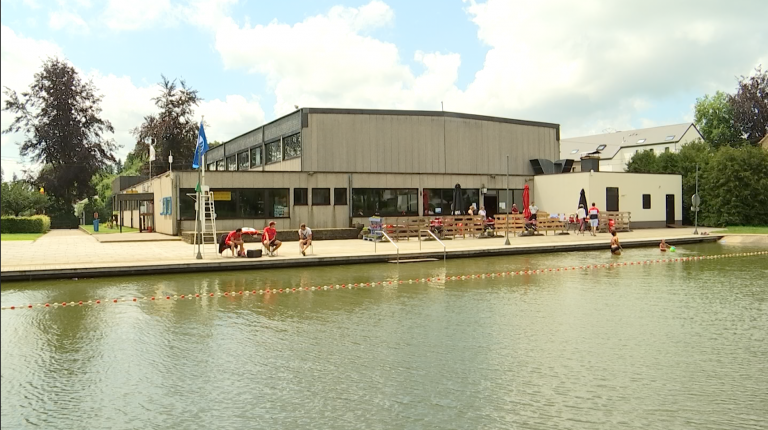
[{"x": 662, "y": 346}]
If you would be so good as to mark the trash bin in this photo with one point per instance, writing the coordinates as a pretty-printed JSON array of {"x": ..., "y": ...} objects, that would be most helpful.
[{"x": 96, "y": 225}]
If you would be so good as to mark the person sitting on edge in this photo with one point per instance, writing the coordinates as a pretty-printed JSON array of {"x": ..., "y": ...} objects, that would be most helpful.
[
  {"x": 305, "y": 238},
  {"x": 514, "y": 209},
  {"x": 593, "y": 218},
  {"x": 663, "y": 246},
  {"x": 235, "y": 240},
  {"x": 471, "y": 210},
  {"x": 615, "y": 245},
  {"x": 269, "y": 238}
]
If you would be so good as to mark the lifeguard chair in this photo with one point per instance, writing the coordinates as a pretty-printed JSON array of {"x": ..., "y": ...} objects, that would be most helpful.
[{"x": 375, "y": 229}]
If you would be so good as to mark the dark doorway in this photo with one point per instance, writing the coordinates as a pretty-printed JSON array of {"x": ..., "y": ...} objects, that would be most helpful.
[
  {"x": 670, "y": 209},
  {"x": 611, "y": 199},
  {"x": 491, "y": 205}
]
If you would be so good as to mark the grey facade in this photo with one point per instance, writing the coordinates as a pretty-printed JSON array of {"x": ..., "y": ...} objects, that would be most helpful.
[{"x": 328, "y": 167}]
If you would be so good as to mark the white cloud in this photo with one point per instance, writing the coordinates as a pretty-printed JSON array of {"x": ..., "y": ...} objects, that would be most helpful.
[
  {"x": 68, "y": 20},
  {"x": 124, "y": 103},
  {"x": 138, "y": 14}
]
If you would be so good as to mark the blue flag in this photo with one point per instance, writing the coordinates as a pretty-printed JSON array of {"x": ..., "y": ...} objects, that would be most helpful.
[{"x": 201, "y": 148}]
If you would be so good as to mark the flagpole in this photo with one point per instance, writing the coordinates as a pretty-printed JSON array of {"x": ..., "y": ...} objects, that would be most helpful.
[{"x": 200, "y": 201}]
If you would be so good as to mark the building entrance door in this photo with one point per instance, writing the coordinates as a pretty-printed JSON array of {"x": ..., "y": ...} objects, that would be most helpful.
[
  {"x": 491, "y": 204},
  {"x": 670, "y": 209}
]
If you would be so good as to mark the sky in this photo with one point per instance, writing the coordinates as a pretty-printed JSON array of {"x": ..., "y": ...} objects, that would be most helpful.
[{"x": 591, "y": 66}]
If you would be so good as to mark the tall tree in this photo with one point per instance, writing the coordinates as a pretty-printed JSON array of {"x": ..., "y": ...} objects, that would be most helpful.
[
  {"x": 60, "y": 117},
  {"x": 20, "y": 197},
  {"x": 714, "y": 119},
  {"x": 750, "y": 106},
  {"x": 173, "y": 129}
]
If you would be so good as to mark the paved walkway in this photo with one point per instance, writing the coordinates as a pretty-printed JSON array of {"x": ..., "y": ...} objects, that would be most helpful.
[{"x": 73, "y": 253}]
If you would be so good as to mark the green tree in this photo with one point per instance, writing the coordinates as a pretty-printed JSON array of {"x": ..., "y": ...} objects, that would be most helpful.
[
  {"x": 750, "y": 106},
  {"x": 60, "y": 116},
  {"x": 21, "y": 198},
  {"x": 714, "y": 119},
  {"x": 667, "y": 162},
  {"x": 734, "y": 187},
  {"x": 173, "y": 129},
  {"x": 693, "y": 153},
  {"x": 643, "y": 162}
]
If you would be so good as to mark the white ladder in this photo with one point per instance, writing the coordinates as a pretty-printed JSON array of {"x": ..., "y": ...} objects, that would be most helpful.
[{"x": 208, "y": 233}]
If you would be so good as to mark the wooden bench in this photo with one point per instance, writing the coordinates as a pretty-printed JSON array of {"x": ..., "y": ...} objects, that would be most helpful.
[
  {"x": 509, "y": 223},
  {"x": 399, "y": 228},
  {"x": 547, "y": 224},
  {"x": 621, "y": 221}
]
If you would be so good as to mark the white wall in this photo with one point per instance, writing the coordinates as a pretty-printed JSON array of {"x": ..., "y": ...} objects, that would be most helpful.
[{"x": 560, "y": 193}]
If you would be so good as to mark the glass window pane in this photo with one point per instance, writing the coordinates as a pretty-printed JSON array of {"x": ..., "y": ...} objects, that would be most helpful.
[
  {"x": 273, "y": 152},
  {"x": 220, "y": 165},
  {"x": 232, "y": 163},
  {"x": 384, "y": 202},
  {"x": 300, "y": 196},
  {"x": 277, "y": 203},
  {"x": 186, "y": 204},
  {"x": 256, "y": 156},
  {"x": 292, "y": 146},
  {"x": 321, "y": 196},
  {"x": 243, "y": 161},
  {"x": 339, "y": 196}
]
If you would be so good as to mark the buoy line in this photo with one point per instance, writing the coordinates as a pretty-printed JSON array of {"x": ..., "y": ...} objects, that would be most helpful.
[{"x": 379, "y": 283}]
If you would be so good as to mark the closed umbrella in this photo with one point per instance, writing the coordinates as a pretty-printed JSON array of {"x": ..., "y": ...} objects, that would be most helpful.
[
  {"x": 583, "y": 200},
  {"x": 458, "y": 201},
  {"x": 526, "y": 202}
]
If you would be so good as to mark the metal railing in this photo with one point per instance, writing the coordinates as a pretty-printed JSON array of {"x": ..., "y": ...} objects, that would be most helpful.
[
  {"x": 436, "y": 238},
  {"x": 383, "y": 233}
]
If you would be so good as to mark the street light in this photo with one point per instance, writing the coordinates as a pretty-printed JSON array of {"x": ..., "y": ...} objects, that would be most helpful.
[
  {"x": 170, "y": 162},
  {"x": 506, "y": 203}
]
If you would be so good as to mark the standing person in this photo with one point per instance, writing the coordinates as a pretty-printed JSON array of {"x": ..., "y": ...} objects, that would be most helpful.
[
  {"x": 594, "y": 213},
  {"x": 581, "y": 215},
  {"x": 615, "y": 245},
  {"x": 471, "y": 210},
  {"x": 534, "y": 209},
  {"x": 235, "y": 240},
  {"x": 269, "y": 238},
  {"x": 305, "y": 238},
  {"x": 482, "y": 212}
]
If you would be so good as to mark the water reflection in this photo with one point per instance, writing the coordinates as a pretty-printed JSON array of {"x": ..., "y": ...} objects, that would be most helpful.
[{"x": 677, "y": 345}]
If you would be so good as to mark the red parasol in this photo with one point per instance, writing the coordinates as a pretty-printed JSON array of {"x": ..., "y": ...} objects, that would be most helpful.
[{"x": 526, "y": 202}]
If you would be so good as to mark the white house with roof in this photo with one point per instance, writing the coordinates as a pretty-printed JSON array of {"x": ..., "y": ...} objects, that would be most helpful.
[{"x": 614, "y": 150}]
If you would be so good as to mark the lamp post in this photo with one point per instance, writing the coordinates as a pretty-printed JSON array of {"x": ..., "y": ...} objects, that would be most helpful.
[
  {"x": 170, "y": 162},
  {"x": 696, "y": 202},
  {"x": 506, "y": 203}
]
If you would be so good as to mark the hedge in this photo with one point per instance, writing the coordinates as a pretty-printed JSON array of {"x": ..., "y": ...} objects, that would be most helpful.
[{"x": 33, "y": 224}]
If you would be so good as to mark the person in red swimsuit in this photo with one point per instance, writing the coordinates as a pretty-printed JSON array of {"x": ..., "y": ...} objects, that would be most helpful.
[
  {"x": 270, "y": 239},
  {"x": 235, "y": 240}
]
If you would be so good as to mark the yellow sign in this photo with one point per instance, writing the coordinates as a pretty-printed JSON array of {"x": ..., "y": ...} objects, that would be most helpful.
[{"x": 222, "y": 195}]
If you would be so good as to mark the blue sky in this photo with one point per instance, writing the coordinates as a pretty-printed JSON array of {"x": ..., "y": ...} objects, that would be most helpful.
[{"x": 589, "y": 66}]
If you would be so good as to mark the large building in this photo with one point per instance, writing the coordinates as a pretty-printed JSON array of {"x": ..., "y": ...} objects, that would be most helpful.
[
  {"x": 332, "y": 168},
  {"x": 615, "y": 149}
]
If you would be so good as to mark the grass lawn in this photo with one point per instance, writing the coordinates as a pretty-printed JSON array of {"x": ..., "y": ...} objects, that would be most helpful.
[
  {"x": 20, "y": 236},
  {"x": 104, "y": 230},
  {"x": 743, "y": 230}
]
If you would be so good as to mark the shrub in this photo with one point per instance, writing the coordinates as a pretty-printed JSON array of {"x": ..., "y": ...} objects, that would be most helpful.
[{"x": 35, "y": 224}]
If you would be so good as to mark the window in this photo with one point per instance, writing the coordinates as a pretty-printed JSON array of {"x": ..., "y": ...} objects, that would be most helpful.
[
  {"x": 243, "y": 161},
  {"x": 641, "y": 141},
  {"x": 670, "y": 137},
  {"x": 385, "y": 202},
  {"x": 292, "y": 146},
  {"x": 666, "y": 149},
  {"x": 611, "y": 199},
  {"x": 273, "y": 152},
  {"x": 651, "y": 150},
  {"x": 601, "y": 147},
  {"x": 574, "y": 151},
  {"x": 340, "y": 196},
  {"x": 321, "y": 196},
  {"x": 300, "y": 196},
  {"x": 256, "y": 157},
  {"x": 210, "y": 167},
  {"x": 167, "y": 208},
  {"x": 242, "y": 203},
  {"x": 439, "y": 201},
  {"x": 220, "y": 165},
  {"x": 646, "y": 201},
  {"x": 232, "y": 163}
]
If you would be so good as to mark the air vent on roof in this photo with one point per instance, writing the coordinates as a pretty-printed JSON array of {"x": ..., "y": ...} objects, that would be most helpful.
[{"x": 670, "y": 137}]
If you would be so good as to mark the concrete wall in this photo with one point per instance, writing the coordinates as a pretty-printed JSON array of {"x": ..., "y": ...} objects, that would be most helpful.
[
  {"x": 560, "y": 194},
  {"x": 162, "y": 186},
  {"x": 390, "y": 143}
]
